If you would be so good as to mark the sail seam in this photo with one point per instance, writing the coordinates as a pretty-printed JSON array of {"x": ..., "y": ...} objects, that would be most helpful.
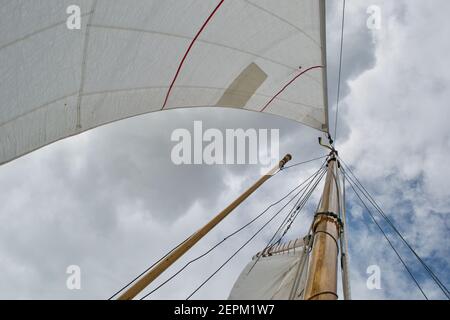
[
  {"x": 83, "y": 66},
  {"x": 285, "y": 21},
  {"x": 87, "y": 94},
  {"x": 196, "y": 87},
  {"x": 42, "y": 106},
  {"x": 32, "y": 34},
  {"x": 204, "y": 41}
]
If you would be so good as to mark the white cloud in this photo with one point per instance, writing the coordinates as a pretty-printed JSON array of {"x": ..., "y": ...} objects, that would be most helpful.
[
  {"x": 397, "y": 113},
  {"x": 111, "y": 201}
]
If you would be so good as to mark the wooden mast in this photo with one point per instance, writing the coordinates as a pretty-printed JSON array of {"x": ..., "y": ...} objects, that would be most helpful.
[
  {"x": 160, "y": 267},
  {"x": 322, "y": 276}
]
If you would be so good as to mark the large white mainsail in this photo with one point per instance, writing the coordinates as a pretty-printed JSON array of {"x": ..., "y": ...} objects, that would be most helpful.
[{"x": 138, "y": 56}]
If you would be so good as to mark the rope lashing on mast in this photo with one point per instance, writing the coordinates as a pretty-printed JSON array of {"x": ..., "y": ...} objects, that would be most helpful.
[
  {"x": 332, "y": 215},
  {"x": 372, "y": 201},
  {"x": 331, "y": 236}
]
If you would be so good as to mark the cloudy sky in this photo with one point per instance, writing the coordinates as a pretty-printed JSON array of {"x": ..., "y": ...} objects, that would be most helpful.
[{"x": 111, "y": 201}]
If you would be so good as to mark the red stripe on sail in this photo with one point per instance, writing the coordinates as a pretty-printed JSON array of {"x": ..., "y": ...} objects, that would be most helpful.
[
  {"x": 187, "y": 52},
  {"x": 288, "y": 84}
]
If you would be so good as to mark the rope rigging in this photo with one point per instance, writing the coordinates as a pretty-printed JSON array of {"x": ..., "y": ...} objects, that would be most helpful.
[
  {"x": 232, "y": 234},
  {"x": 146, "y": 270},
  {"x": 372, "y": 201},
  {"x": 344, "y": 258},
  {"x": 293, "y": 214},
  {"x": 384, "y": 234},
  {"x": 304, "y": 162},
  {"x": 298, "y": 209},
  {"x": 243, "y": 246},
  {"x": 300, "y": 196},
  {"x": 338, "y": 96},
  {"x": 295, "y": 210},
  {"x": 218, "y": 244}
]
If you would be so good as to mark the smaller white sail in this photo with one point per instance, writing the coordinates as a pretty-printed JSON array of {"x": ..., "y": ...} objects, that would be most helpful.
[{"x": 275, "y": 274}]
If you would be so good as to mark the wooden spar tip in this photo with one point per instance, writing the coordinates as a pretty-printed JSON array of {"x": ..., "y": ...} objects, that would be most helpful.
[{"x": 285, "y": 160}]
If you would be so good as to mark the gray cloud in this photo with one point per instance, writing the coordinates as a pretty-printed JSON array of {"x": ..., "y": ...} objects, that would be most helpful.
[{"x": 111, "y": 201}]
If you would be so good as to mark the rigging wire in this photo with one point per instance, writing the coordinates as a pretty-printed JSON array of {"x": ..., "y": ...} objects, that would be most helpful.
[
  {"x": 231, "y": 235},
  {"x": 236, "y": 252},
  {"x": 346, "y": 288},
  {"x": 370, "y": 198},
  {"x": 383, "y": 232},
  {"x": 427, "y": 268},
  {"x": 302, "y": 163},
  {"x": 154, "y": 264},
  {"x": 174, "y": 248},
  {"x": 340, "y": 72},
  {"x": 298, "y": 208},
  {"x": 146, "y": 270}
]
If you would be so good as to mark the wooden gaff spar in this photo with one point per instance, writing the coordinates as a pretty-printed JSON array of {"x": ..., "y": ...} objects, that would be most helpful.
[{"x": 159, "y": 268}]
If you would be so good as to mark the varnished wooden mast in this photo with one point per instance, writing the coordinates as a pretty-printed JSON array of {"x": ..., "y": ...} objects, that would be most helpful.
[
  {"x": 159, "y": 268},
  {"x": 322, "y": 276}
]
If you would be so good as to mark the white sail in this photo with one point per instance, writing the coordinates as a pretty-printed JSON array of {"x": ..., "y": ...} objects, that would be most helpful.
[
  {"x": 57, "y": 80},
  {"x": 276, "y": 275}
]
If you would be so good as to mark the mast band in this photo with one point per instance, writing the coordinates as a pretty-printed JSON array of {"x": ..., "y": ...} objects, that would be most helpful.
[
  {"x": 324, "y": 292},
  {"x": 332, "y": 215},
  {"x": 332, "y": 237}
]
